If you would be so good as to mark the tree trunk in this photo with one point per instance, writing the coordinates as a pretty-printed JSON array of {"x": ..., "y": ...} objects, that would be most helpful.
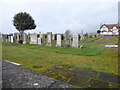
[{"x": 21, "y": 34}]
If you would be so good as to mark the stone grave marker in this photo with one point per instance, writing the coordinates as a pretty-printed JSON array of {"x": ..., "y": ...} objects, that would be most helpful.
[
  {"x": 58, "y": 40},
  {"x": 75, "y": 40},
  {"x": 33, "y": 39},
  {"x": 49, "y": 39}
]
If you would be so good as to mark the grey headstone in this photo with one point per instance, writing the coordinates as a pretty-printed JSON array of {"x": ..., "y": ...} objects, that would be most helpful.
[
  {"x": 75, "y": 40},
  {"x": 49, "y": 39},
  {"x": 39, "y": 41},
  {"x": 33, "y": 38},
  {"x": 82, "y": 37}
]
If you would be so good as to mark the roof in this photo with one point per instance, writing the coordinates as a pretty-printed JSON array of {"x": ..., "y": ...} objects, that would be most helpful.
[{"x": 109, "y": 26}]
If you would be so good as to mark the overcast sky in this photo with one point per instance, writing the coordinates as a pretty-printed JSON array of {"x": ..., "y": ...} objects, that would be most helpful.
[{"x": 59, "y": 15}]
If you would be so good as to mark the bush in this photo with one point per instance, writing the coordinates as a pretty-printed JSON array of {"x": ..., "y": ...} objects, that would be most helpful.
[
  {"x": 45, "y": 36},
  {"x": 55, "y": 36},
  {"x": 38, "y": 35},
  {"x": 20, "y": 41},
  {"x": 90, "y": 36},
  {"x": 79, "y": 37},
  {"x": 95, "y": 35},
  {"x": 62, "y": 37}
]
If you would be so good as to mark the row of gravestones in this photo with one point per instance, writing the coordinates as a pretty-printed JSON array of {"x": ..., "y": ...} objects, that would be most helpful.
[
  {"x": 14, "y": 38},
  {"x": 35, "y": 40}
]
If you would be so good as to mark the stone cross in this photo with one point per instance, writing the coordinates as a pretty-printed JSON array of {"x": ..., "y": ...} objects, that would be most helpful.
[
  {"x": 82, "y": 37},
  {"x": 75, "y": 40},
  {"x": 49, "y": 39},
  {"x": 58, "y": 40},
  {"x": 33, "y": 38}
]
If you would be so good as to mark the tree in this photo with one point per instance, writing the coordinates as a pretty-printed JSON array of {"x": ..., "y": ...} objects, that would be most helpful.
[
  {"x": 98, "y": 31},
  {"x": 79, "y": 37},
  {"x": 67, "y": 32},
  {"x": 23, "y": 21}
]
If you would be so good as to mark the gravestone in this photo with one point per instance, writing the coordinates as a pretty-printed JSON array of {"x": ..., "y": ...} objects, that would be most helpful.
[
  {"x": 53, "y": 36},
  {"x": 82, "y": 37},
  {"x": 49, "y": 39},
  {"x": 33, "y": 39},
  {"x": 1, "y": 40},
  {"x": 39, "y": 41},
  {"x": 16, "y": 37},
  {"x": 24, "y": 38},
  {"x": 65, "y": 37},
  {"x": 6, "y": 38},
  {"x": 28, "y": 36},
  {"x": 58, "y": 40},
  {"x": 75, "y": 40},
  {"x": 11, "y": 37},
  {"x": 41, "y": 36}
]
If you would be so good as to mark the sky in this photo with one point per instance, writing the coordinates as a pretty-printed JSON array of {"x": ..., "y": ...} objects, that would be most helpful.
[{"x": 57, "y": 16}]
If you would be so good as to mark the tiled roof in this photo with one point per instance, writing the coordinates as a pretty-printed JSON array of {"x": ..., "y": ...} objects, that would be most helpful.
[{"x": 109, "y": 26}]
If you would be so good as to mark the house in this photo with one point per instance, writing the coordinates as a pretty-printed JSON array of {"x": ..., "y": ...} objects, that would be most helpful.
[{"x": 109, "y": 30}]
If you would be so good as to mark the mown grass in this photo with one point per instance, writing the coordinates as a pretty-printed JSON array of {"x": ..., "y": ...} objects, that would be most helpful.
[{"x": 40, "y": 58}]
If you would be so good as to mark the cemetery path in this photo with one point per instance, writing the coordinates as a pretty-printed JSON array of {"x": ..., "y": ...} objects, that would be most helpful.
[
  {"x": 17, "y": 77},
  {"x": 0, "y": 75},
  {"x": 103, "y": 41}
]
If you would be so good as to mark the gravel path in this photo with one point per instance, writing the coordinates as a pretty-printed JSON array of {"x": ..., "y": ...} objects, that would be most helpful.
[{"x": 17, "y": 77}]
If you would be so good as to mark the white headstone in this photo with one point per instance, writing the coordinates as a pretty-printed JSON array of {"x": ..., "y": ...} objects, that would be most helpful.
[
  {"x": 58, "y": 40},
  {"x": 24, "y": 38},
  {"x": 39, "y": 41},
  {"x": 11, "y": 37}
]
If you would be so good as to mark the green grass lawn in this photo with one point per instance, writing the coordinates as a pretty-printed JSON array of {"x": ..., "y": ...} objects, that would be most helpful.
[{"x": 92, "y": 57}]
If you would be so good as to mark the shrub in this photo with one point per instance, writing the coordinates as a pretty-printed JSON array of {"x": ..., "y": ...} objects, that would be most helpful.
[
  {"x": 90, "y": 36},
  {"x": 55, "y": 36},
  {"x": 20, "y": 41},
  {"x": 45, "y": 36},
  {"x": 62, "y": 37},
  {"x": 79, "y": 37},
  {"x": 95, "y": 35}
]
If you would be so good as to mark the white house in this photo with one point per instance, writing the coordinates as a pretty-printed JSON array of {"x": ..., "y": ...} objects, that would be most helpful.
[{"x": 109, "y": 30}]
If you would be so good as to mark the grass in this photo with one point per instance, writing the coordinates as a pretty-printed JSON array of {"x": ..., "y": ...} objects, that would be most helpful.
[{"x": 40, "y": 58}]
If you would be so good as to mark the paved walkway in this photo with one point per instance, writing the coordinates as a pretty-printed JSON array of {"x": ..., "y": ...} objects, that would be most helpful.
[
  {"x": 0, "y": 75},
  {"x": 17, "y": 77}
]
